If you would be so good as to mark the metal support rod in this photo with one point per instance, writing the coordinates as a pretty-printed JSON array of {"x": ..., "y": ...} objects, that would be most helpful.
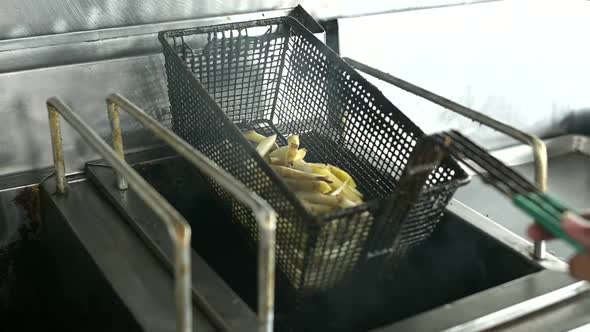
[
  {"x": 178, "y": 228},
  {"x": 263, "y": 212},
  {"x": 117, "y": 136},
  {"x": 57, "y": 148},
  {"x": 538, "y": 146},
  {"x": 267, "y": 225}
]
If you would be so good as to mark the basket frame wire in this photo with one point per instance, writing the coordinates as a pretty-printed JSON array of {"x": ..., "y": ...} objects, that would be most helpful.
[{"x": 182, "y": 78}]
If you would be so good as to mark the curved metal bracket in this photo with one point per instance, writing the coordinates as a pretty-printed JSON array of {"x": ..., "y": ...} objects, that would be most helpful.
[
  {"x": 538, "y": 146},
  {"x": 178, "y": 228},
  {"x": 263, "y": 212}
]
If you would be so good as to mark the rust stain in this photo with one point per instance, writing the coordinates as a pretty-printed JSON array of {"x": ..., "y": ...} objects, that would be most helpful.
[{"x": 29, "y": 200}]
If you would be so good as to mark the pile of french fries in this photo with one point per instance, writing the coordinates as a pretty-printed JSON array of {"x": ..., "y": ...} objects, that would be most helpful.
[{"x": 322, "y": 188}]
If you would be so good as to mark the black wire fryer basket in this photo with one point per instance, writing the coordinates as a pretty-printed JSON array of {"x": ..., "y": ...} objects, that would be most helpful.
[{"x": 276, "y": 77}]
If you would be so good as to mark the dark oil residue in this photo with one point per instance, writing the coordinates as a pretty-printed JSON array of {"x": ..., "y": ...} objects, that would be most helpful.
[{"x": 25, "y": 273}]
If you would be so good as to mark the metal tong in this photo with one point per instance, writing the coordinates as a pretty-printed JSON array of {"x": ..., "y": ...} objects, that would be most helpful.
[
  {"x": 431, "y": 150},
  {"x": 537, "y": 145}
]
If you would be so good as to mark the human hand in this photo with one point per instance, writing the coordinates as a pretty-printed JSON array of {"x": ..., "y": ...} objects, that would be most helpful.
[{"x": 579, "y": 229}]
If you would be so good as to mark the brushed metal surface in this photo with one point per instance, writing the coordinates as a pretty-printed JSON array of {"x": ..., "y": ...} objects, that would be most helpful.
[
  {"x": 23, "y": 18},
  {"x": 107, "y": 44},
  {"x": 569, "y": 316},
  {"x": 137, "y": 276},
  {"x": 214, "y": 297},
  {"x": 82, "y": 68},
  {"x": 24, "y": 124}
]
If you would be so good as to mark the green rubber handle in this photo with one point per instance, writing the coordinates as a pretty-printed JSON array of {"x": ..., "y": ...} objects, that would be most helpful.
[{"x": 547, "y": 212}]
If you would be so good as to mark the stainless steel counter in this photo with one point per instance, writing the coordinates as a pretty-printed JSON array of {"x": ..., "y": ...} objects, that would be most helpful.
[{"x": 571, "y": 315}]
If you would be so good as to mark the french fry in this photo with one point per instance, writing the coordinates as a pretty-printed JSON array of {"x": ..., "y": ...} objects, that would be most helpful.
[
  {"x": 304, "y": 166},
  {"x": 356, "y": 192},
  {"x": 348, "y": 188},
  {"x": 336, "y": 184},
  {"x": 279, "y": 156},
  {"x": 266, "y": 145},
  {"x": 309, "y": 185},
  {"x": 351, "y": 196},
  {"x": 333, "y": 201},
  {"x": 321, "y": 187},
  {"x": 275, "y": 161},
  {"x": 346, "y": 191},
  {"x": 346, "y": 203},
  {"x": 280, "y": 153},
  {"x": 253, "y": 136},
  {"x": 315, "y": 198},
  {"x": 297, "y": 174},
  {"x": 257, "y": 138},
  {"x": 293, "y": 141},
  {"x": 301, "y": 153},
  {"x": 317, "y": 208},
  {"x": 342, "y": 175},
  {"x": 338, "y": 190}
]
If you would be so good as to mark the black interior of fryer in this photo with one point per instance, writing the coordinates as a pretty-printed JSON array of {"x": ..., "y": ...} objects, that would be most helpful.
[
  {"x": 48, "y": 282},
  {"x": 456, "y": 261}
]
